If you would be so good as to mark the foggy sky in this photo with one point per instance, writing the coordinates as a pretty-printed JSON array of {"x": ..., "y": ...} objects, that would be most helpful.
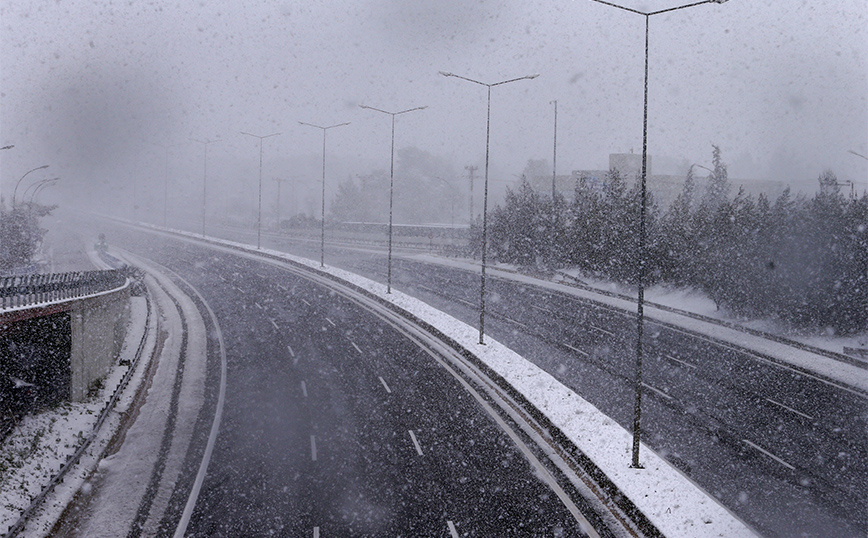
[{"x": 87, "y": 87}]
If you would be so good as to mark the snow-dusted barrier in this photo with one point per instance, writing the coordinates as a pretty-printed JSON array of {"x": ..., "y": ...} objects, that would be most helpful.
[{"x": 97, "y": 306}]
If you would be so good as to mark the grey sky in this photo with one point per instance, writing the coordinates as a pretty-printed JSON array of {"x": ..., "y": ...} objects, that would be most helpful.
[{"x": 782, "y": 87}]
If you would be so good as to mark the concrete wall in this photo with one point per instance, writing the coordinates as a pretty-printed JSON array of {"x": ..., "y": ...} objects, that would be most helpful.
[{"x": 98, "y": 328}]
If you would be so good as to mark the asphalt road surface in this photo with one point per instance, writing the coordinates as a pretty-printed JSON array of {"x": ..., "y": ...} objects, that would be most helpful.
[
  {"x": 787, "y": 452},
  {"x": 335, "y": 424}
]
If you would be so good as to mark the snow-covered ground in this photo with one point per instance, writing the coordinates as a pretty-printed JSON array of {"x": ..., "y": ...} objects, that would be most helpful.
[{"x": 35, "y": 451}]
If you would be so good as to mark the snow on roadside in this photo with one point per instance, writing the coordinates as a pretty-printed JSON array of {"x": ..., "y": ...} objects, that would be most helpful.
[
  {"x": 40, "y": 444},
  {"x": 677, "y": 506}
]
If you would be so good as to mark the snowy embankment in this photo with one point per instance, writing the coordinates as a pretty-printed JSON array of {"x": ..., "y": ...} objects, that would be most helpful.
[
  {"x": 674, "y": 504},
  {"x": 35, "y": 451}
]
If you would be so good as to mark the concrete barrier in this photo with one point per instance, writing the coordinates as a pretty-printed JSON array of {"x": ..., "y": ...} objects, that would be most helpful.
[{"x": 94, "y": 325}]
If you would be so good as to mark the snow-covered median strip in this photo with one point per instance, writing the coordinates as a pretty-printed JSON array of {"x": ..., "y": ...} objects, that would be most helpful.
[
  {"x": 847, "y": 375},
  {"x": 674, "y": 504}
]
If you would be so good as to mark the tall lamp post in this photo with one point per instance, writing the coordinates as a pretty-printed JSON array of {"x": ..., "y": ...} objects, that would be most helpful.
[
  {"x": 14, "y": 192},
  {"x": 322, "y": 226},
  {"x": 643, "y": 255},
  {"x": 166, "y": 147},
  {"x": 485, "y": 189},
  {"x": 204, "y": 177},
  {"x": 259, "y": 213},
  {"x": 391, "y": 185}
]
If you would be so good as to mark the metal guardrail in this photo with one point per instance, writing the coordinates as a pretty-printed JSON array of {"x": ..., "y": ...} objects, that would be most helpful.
[{"x": 25, "y": 290}]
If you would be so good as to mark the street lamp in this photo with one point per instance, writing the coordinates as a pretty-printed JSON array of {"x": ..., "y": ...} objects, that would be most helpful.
[
  {"x": 165, "y": 180},
  {"x": 322, "y": 234},
  {"x": 36, "y": 186},
  {"x": 14, "y": 192},
  {"x": 555, "y": 156},
  {"x": 42, "y": 185},
  {"x": 485, "y": 191},
  {"x": 391, "y": 185},
  {"x": 643, "y": 255},
  {"x": 204, "y": 176},
  {"x": 259, "y": 214}
]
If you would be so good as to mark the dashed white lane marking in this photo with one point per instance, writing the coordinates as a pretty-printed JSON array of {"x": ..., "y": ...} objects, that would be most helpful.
[
  {"x": 332, "y": 322},
  {"x": 679, "y": 361},
  {"x": 415, "y": 443},
  {"x": 468, "y": 303},
  {"x": 769, "y": 454},
  {"x": 313, "y": 447},
  {"x": 600, "y": 329},
  {"x": 291, "y": 352},
  {"x": 274, "y": 323},
  {"x": 515, "y": 322},
  {"x": 541, "y": 309},
  {"x": 788, "y": 408},
  {"x": 452, "y": 530},
  {"x": 259, "y": 306},
  {"x": 577, "y": 350},
  {"x": 316, "y": 532},
  {"x": 658, "y": 391},
  {"x": 305, "y": 302},
  {"x": 304, "y": 389},
  {"x": 383, "y": 381},
  {"x": 357, "y": 347},
  {"x": 282, "y": 288}
]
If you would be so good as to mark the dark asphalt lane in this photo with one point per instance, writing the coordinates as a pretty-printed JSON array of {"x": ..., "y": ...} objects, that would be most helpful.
[
  {"x": 785, "y": 451},
  {"x": 337, "y": 424}
]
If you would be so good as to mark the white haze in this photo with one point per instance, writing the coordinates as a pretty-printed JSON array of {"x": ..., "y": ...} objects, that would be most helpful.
[{"x": 89, "y": 87}]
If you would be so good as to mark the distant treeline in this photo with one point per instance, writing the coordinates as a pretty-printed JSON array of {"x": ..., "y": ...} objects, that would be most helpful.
[{"x": 798, "y": 259}]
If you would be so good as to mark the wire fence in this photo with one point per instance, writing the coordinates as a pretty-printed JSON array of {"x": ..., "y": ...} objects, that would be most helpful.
[{"x": 26, "y": 290}]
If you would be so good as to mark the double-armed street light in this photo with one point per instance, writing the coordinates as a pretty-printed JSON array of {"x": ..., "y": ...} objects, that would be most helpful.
[
  {"x": 643, "y": 257},
  {"x": 15, "y": 192},
  {"x": 204, "y": 177},
  {"x": 485, "y": 189},
  {"x": 322, "y": 225},
  {"x": 259, "y": 213},
  {"x": 391, "y": 185}
]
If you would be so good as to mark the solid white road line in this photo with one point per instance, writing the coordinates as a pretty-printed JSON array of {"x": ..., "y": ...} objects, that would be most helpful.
[
  {"x": 383, "y": 381},
  {"x": 788, "y": 408},
  {"x": 415, "y": 443},
  {"x": 452, "y": 530},
  {"x": 304, "y": 389},
  {"x": 769, "y": 454},
  {"x": 313, "y": 447}
]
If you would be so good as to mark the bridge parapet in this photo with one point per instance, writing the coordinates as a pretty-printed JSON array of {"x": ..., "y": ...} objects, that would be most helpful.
[{"x": 66, "y": 328}]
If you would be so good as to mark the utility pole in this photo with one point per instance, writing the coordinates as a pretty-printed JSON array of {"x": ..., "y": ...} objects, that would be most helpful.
[{"x": 471, "y": 169}]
